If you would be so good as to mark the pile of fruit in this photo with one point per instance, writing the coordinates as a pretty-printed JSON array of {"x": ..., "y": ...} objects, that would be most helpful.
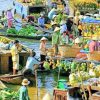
[
  {"x": 91, "y": 30},
  {"x": 8, "y": 94},
  {"x": 4, "y": 39},
  {"x": 83, "y": 73}
]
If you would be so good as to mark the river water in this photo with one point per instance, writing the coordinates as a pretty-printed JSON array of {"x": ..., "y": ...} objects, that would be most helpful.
[{"x": 47, "y": 81}]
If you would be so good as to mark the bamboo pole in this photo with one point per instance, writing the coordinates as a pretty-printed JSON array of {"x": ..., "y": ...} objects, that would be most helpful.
[{"x": 36, "y": 84}]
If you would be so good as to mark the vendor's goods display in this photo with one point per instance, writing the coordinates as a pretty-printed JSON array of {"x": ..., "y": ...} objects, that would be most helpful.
[
  {"x": 25, "y": 31},
  {"x": 68, "y": 51},
  {"x": 4, "y": 39}
]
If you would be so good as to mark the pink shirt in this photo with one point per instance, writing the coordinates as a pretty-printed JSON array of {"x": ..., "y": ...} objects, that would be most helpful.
[
  {"x": 9, "y": 15},
  {"x": 92, "y": 46}
]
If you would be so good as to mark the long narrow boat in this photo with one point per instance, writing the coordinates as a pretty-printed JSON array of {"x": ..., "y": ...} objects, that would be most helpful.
[{"x": 16, "y": 79}]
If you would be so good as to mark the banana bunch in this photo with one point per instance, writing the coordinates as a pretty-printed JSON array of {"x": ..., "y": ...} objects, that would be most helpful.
[
  {"x": 4, "y": 39},
  {"x": 73, "y": 79}
]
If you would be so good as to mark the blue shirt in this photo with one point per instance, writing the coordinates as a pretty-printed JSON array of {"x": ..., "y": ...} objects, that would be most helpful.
[
  {"x": 51, "y": 13},
  {"x": 31, "y": 61},
  {"x": 41, "y": 21}
]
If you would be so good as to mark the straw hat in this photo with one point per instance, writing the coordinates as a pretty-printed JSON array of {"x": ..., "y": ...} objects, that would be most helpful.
[
  {"x": 77, "y": 40},
  {"x": 53, "y": 23},
  {"x": 25, "y": 82},
  {"x": 43, "y": 38},
  {"x": 56, "y": 29},
  {"x": 62, "y": 22}
]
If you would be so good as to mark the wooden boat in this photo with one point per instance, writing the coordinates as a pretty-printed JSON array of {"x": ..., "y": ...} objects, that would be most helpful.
[
  {"x": 16, "y": 79},
  {"x": 2, "y": 86}
]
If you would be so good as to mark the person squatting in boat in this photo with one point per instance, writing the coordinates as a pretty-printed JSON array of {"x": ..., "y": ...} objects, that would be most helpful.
[{"x": 31, "y": 64}]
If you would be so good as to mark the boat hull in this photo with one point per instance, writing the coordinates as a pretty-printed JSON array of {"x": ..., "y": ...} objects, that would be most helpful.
[{"x": 16, "y": 79}]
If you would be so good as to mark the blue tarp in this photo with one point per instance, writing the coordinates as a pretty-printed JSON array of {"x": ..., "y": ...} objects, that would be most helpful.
[{"x": 90, "y": 20}]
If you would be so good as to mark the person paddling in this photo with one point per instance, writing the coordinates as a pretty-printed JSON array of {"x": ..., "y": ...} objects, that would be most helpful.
[{"x": 23, "y": 91}]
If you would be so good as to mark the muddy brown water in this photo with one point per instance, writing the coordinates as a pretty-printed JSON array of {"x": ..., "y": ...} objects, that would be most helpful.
[{"x": 47, "y": 81}]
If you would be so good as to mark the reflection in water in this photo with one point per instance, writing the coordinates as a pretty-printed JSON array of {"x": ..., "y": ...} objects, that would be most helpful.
[{"x": 46, "y": 80}]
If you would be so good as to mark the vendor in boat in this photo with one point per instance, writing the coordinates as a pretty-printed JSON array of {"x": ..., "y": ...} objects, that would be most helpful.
[
  {"x": 55, "y": 39},
  {"x": 93, "y": 44},
  {"x": 41, "y": 20},
  {"x": 31, "y": 64},
  {"x": 23, "y": 91},
  {"x": 30, "y": 19},
  {"x": 52, "y": 12},
  {"x": 63, "y": 26},
  {"x": 64, "y": 38},
  {"x": 43, "y": 50},
  {"x": 15, "y": 49}
]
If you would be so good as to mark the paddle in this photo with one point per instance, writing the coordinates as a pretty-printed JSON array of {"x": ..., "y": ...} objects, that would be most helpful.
[{"x": 36, "y": 83}]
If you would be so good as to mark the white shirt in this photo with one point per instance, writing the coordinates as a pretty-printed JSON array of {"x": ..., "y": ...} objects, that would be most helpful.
[{"x": 31, "y": 61}]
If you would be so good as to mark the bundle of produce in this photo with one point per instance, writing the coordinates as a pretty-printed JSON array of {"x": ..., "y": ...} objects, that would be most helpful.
[
  {"x": 27, "y": 31},
  {"x": 75, "y": 78},
  {"x": 8, "y": 94},
  {"x": 46, "y": 65},
  {"x": 4, "y": 39},
  {"x": 94, "y": 71},
  {"x": 12, "y": 31},
  {"x": 63, "y": 65}
]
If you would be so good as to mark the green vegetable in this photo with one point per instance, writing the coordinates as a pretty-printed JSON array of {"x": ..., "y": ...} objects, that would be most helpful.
[{"x": 12, "y": 31}]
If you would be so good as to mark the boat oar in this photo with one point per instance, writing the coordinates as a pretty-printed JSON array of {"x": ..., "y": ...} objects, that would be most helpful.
[{"x": 36, "y": 83}]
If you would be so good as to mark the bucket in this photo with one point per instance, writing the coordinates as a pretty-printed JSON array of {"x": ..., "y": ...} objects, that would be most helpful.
[{"x": 62, "y": 84}]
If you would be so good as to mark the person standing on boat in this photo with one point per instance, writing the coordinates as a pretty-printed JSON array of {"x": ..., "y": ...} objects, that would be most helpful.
[
  {"x": 41, "y": 21},
  {"x": 43, "y": 50},
  {"x": 15, "y": 49},
  {"x": 63, "y": 26},
  {"x": 31, "y": 64},
  {"x": 23, "y": 91},
  {"x": 55, "y": 39},
  {"x": 9, "y": 18}
]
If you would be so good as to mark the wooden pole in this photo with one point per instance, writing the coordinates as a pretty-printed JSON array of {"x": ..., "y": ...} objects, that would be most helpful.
[{"x": 36, "y": 84}]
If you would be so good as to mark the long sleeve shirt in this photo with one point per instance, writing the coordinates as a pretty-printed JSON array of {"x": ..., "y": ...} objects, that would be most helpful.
[
  {"x": 41, "y": 21},
  {"x": 23, "y": 93}
]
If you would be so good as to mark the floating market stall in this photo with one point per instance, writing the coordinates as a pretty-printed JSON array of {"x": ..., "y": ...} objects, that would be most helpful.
[
  {"x": 5, "y": 56},
  {"x": 91, "y": 27}
]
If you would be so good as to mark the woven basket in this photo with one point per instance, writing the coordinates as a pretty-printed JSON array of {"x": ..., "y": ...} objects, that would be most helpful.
[
  {"x": 68, "y": 51},
  {"x": 50, "y": 52},
  {"x": 94, "y": 56}
]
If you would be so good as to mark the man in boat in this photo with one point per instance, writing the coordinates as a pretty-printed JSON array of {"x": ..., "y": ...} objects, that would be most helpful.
[
  {"x": 15, "y": 49},
  {"x": 23, "y": 91},
  {"x": 41, "y": 20},
  {"x": 31, "y": 64}
]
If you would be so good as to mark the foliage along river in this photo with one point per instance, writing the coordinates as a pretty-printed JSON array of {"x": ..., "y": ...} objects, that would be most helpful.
[{"x": 46, "y": 81}]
